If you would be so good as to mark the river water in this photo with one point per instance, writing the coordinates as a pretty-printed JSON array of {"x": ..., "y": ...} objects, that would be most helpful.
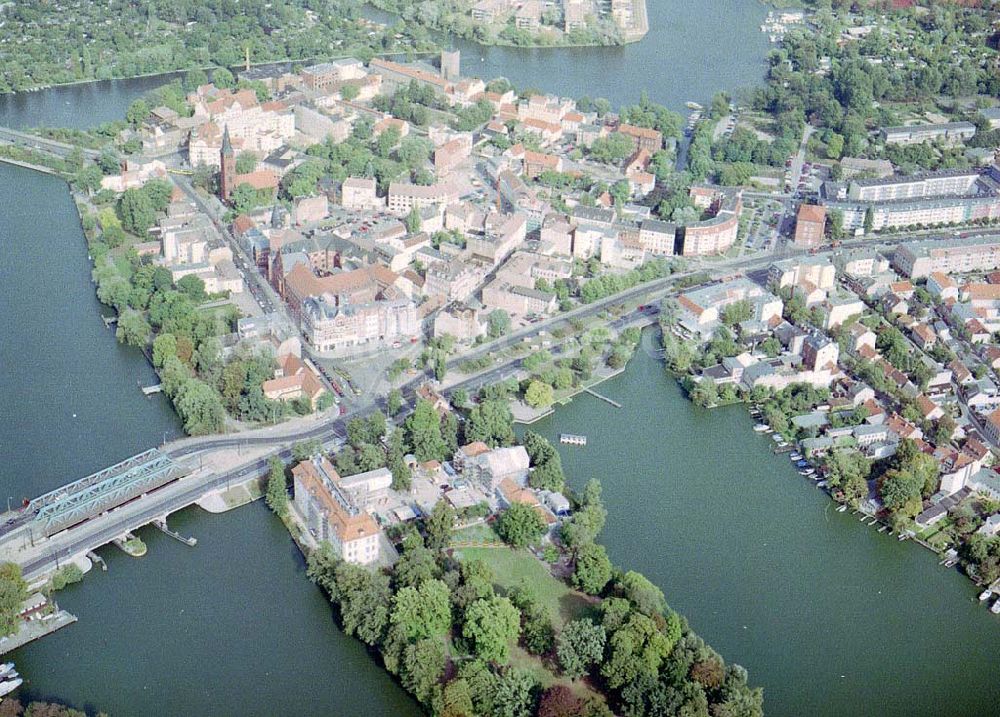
[
  {"x": 828, "y": 616},
  {"x": 693, "y": 50}
]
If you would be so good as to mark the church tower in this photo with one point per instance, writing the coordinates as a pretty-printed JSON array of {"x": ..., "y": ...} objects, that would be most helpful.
[{"x": 228, "y": 164}]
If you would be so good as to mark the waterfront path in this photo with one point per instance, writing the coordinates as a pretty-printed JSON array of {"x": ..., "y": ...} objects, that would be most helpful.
[{"x": 51, "y": 146}]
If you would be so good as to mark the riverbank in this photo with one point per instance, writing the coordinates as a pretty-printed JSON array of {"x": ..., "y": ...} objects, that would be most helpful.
[{"x": 526, "y": 33}]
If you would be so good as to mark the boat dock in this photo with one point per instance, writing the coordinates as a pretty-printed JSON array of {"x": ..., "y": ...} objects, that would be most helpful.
[
  {"x": 35, "y": 628},
  {"x": 595, "y": 394},
  {"x": 162, "y": 525},
  {"x": 572, "y": 439},
  {"x": 150, "y": 390}
]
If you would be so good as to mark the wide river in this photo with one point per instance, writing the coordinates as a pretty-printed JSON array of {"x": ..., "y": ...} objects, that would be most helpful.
[{"x": 829, "y": 616}]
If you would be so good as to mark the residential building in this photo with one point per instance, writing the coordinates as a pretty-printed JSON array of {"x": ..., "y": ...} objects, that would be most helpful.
[
  {"x": 706, "y": 304},
  {"x": 488, "y": 468},
  {"x": 404, "y": 196},
  {"x": 293, "y": 380},
  {"x": 855, "y": 167},
  {"x": 517, "y": 300},
  {"x": 941, "y": 286},
  {"x": 718, "y": 233},
  {"x": 451, "y": 154},
  {"x": 810, "y": 225},
  {"x": 650, "y": 140},
  {"x": 820, "y": 353},
  {"x": 359, "y": 193},
  {"x": 331, "y": 515},
  {"x": 334, "y": 327},
  {"x": 948, "y": 132},
  {"x": 819, "y": 273},
  {"x": 453, "y": 280},
  {"x": 860, "y": 262},
  {"x": 917, "y": 259},
  {"x": 529, "y": 15},
  {"x": 463, "y": 323},
  {"x": 134, "y": 174},
  {"x": 839, "y": 307}
]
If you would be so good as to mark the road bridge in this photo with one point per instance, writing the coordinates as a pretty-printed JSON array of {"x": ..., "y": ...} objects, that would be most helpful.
[{"x": 38, "y": 554}]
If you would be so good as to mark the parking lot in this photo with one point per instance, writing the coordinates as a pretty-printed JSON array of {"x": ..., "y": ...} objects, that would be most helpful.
[{"x": 763, "y": 221}]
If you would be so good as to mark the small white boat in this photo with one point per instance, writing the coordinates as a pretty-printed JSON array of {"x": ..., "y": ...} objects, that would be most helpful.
[
  {"x": 6, "y": 669},
  {"x": 762, "y": 428},
  {"x": 778, "y": 438},
  {"x": 985, "y": 595},
  {"x": 795, "y": 456},
  {"x": 693, "y": 106},
  {"x": 8, "y": 686},
  {"x": 996, "y": 607},
  {"x": 842, "y": 509}
]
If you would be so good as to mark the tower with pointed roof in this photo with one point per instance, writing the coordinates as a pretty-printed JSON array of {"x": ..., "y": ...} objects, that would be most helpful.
[{"x": 228, "y": 164}]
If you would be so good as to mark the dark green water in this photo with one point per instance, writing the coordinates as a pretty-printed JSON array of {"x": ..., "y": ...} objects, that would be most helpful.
[
  {"x": 229, "y": 627},
  {"x": 829, "y": 616}
]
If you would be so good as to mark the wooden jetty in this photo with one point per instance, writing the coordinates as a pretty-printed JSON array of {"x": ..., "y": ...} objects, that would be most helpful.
[{"x": 595, "y": 394}]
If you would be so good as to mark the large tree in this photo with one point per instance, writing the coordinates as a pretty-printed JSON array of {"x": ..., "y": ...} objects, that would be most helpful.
[
  {"x": 423, "y": 611},
  {"x": 579, "y": 647},
  {"x": 592, "y": 568},
  {"x": 492, "y": 624},
  {"x": 136, "y": 211},
  {"x": 423, "y": 429},
  {"x": 13, "y": 592},
  {"x": 520, "y": 525}
]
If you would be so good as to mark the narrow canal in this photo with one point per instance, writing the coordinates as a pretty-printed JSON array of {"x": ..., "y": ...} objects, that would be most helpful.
[{"x": 828, "y": 615}]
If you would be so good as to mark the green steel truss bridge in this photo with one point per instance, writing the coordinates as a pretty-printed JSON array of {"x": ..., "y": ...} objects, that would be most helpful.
[{"x": 109, "y": 488}]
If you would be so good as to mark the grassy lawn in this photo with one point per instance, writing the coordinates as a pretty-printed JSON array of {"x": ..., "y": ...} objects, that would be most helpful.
[
  {"x": 481, "y": 533},
  {"x": 514, "y": 568}
]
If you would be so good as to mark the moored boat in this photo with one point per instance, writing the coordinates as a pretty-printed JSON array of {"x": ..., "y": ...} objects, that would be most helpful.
[
  {"x": 8, "y": 686},
  {"x": 985, "y": 595},
  {"x": 996, "y": 607},
  {"x": 762, "y": 428}
]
